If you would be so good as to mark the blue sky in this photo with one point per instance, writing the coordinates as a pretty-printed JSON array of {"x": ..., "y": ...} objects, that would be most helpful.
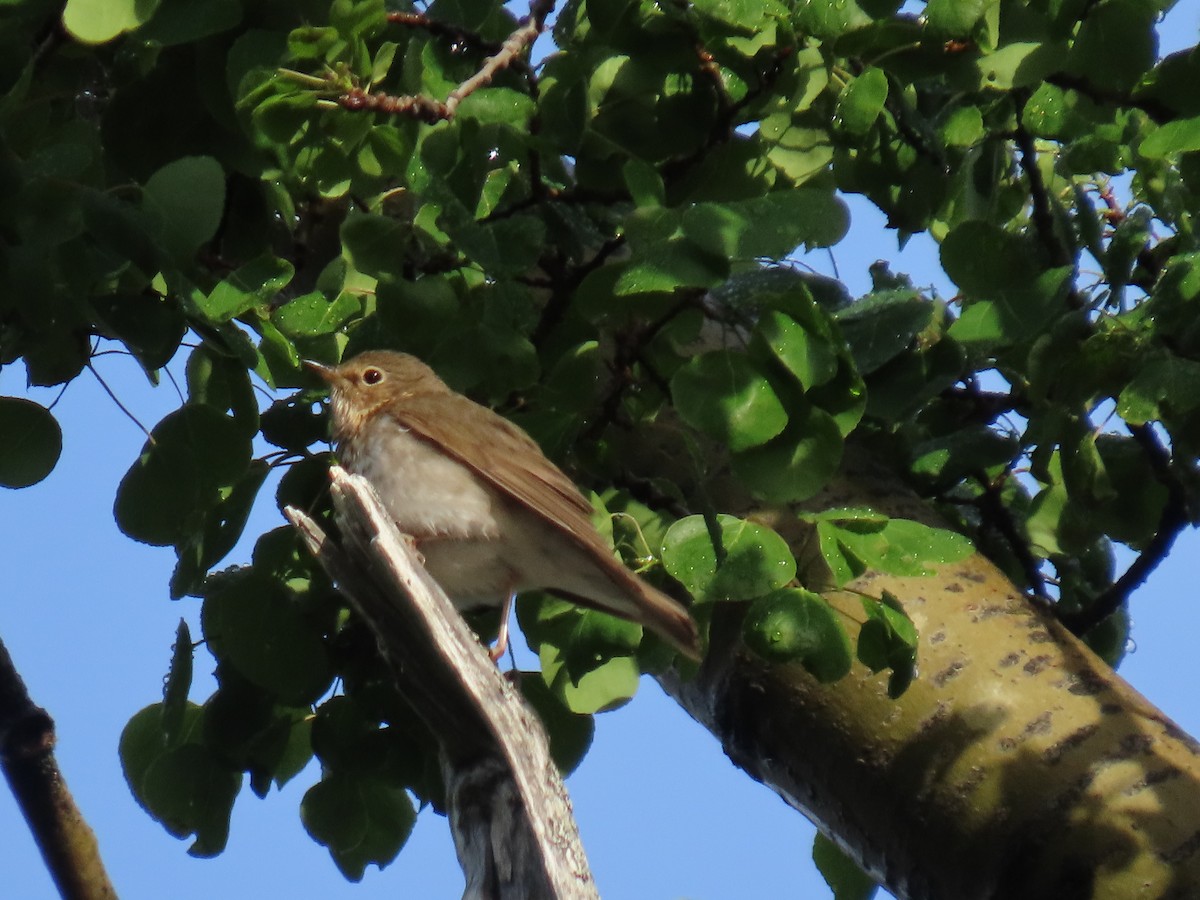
[{"x": 85, "y": 614}]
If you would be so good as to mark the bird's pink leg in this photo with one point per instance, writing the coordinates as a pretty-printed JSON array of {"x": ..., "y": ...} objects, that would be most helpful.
[{"x": 497, "y": 649}]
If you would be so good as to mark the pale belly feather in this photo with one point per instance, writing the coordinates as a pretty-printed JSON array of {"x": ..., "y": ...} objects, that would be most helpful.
[
  {"x": 478, "y": 545},
  {"x": 453, "y": 516}
]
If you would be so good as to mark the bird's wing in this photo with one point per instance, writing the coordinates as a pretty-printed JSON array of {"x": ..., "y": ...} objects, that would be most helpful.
[
  {"x": 503, "y": 455},
  {"x": 511, "y": 461}
]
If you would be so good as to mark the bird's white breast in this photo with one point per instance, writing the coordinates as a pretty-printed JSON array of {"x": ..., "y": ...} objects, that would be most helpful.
[{"x": 429, "y": 494}]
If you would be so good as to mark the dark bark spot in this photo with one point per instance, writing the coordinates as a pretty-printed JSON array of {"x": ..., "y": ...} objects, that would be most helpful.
[
  {"x": 1185, "y": 850},
  {"x": 1039, "y": 725},
  {"x": 989, "y": 612},
  {"x": 951, "y": 671},
  {"x": 1037, "y": 664},
  {"x": 1160, "y": 776},
  {"x": 1010, "y": 660},
  {"x": 1055, "y": 753},
  {"x": 1086, "y": 684},
  {"x": 1135, "y": 744}
]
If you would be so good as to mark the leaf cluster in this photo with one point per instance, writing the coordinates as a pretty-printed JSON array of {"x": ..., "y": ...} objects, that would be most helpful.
[{"x": 600, "y": 243}]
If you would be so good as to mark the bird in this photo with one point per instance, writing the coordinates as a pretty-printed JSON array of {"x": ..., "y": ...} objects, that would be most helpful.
[{"x": 490, "y": 514}]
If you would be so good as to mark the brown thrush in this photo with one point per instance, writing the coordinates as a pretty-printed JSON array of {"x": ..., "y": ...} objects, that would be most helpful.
[{"x": 489, "y": 513}]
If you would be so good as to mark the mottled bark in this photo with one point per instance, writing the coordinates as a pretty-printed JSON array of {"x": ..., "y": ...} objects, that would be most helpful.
[{"x": 1017, "y": 765}]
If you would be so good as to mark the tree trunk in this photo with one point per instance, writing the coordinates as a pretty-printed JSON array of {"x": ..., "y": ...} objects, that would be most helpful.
[{"x": 1017, "y": 765}]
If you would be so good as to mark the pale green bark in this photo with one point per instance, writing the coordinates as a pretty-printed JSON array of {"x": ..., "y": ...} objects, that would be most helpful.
[{"x": 1017, "y": 765}]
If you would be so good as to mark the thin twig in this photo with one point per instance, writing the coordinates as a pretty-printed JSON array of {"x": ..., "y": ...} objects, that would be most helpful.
[
  {"x": 1171, "y": 522},
  {"x": 430, "y": 110},
  {"x": 997, "y": 514},
  {"x": 1043, "y": 218},
  {"x": 441, "y": 29},
  {"x": 121, "y": 406}
]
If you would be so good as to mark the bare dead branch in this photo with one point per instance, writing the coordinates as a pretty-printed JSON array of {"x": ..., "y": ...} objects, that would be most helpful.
[
  {"x": 67, "y": 843},
  {"x": 509, "y": 810}
]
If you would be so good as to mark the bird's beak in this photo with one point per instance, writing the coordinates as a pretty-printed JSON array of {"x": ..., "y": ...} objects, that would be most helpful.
[{"x": 328, "y": 373}]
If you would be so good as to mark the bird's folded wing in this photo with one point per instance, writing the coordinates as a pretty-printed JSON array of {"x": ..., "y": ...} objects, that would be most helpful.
[{"x": 505, "y": 457}]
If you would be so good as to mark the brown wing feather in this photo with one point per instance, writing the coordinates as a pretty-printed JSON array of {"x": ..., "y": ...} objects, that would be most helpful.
[{"x": 517, "y": 468}]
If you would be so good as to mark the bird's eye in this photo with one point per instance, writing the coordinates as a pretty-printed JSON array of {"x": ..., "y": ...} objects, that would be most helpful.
[{"x": 372, "y": 376}]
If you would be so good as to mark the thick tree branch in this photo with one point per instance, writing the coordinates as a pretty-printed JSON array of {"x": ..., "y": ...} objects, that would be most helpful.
[
  {"x": 1016, "y": 765},
  {"x": 27, "y": 758},
  {"x": 509, "y": 811}
]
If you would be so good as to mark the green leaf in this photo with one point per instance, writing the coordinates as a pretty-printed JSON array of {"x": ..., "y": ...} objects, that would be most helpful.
[
  {"x": 796, "y": 625},
  {"x": 945, "y": 460},
  {"x": 883, "y": 324},
  {"x": 587, "y": 656},
  {"x": 251, "y": 285},
  {"x": 99, "y": 21},
  {"x": 722, "y": 394},
  {"x": 1016, "y": 313},
  {"x": 192, "y": 456},
  {"x": 294, "y": 423},
  {"x": 888, "y": 640},
  {"x": 1018, "y": 64},
  {"x": 810, "y": 354},
  {"x": 963, "y": 127},
  {"x": 1178, "y": 136},
  {"x": 798, "y": 463},
  {"x": 1009, "y": 262},
  {"x": 186, "y": 21},
  {"x": 956, "y": 18},
  {"x": 752, "y": 560},
  {"x": 745, "y": 16},
  {"x": 498, "y": 106},
  {"x": 859, "y": 105},
  {"x": 177, "y": 684},
  {"x": 644, "y": 182},
  {"x": 223, "y": 382},
  {"x": 250, "y": 731},
  {"x": 314, "y": 314},
  {"x": 1163, "y": 382},
  {"x": 361, "y": 820},
  {"x": 830, "y": 19},
  {"x": 181, "y": 784},
  {"x": 186, "y": 197},
  {"x": 374, "y": 243},
  {"x": 31, "y": 442},
  {"x": 853, "y": 541},
  {"x": 256, "y": 625},
  {"x": 223, "y": 526},
  {"x": 769, "y": 227},
  {"x": 1116, "y": 44},
  {"x": 149, "y": 325},
  {"x": 797, "y": 149},
  {"x": 607, "y": 685},
  {"x": 840, "y": 872}
]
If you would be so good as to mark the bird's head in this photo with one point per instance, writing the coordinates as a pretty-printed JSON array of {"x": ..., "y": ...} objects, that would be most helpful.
[{"x": 370, "y": 381}]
